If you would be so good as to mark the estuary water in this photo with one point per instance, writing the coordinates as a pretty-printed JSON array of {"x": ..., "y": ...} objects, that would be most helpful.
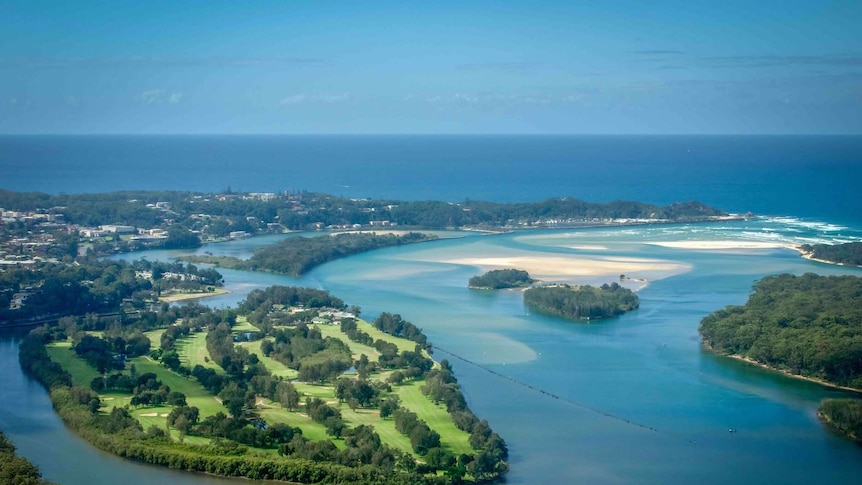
[{"x": 628, "y": 400}]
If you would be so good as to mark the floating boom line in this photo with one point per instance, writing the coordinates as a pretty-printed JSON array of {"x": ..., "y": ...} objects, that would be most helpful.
[{"x": 555, "y": 396}]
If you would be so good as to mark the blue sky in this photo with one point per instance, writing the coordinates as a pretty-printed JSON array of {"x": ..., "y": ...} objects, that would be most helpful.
[{"x": 611, "y": 67}]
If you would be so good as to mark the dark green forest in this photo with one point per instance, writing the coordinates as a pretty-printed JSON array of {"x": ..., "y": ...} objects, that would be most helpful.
[
  {"x": 581, "y": 302},
  {"x": 806, "y": 325},
  {"x": 497, "y": 279},
  {"x": 843, "y": 415},
  {"x": 297, "y": 255},
  {"x": 847, "y": 253}
]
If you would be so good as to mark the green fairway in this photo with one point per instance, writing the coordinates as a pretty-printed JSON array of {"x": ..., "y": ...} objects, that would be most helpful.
[
  {"x": 193, "y": 351},
  {"x": 273, "y": 413},
  {"x": 196, "y": 395},
  {"x": 384, "y": 427},
  {"x": 82, "y": 372},
  {"x": 452, "y": 438},
  {"x": 155, "y": 337},
  {"x": 402, "y": 343},
  {"x": 242, "y": 325},
  {"x": 274, "y": 366}
]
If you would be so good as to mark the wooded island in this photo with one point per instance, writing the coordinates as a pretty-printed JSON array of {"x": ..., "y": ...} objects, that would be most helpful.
[
  {"x": 581, "y": 302},
  {"x": 498, "y": 279}
]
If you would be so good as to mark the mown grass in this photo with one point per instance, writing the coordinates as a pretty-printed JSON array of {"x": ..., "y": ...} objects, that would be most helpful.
[
  {"x": 193, "y": 351},
  {"x": 274, "y": 366},
  {"x": 82, "y": 373},
  {"x": 438, "y": 419},
  {"x": 196, "y": 394},
  {"x": 242, "y": 325}
]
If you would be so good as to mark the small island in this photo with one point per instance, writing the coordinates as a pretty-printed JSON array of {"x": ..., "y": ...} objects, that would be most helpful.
[
  {"x": 581, "y": 302},
  {"x": 849, "y": 254},
  {"x": 498, "y": 279},
  {"x": 807, "y": 326}
]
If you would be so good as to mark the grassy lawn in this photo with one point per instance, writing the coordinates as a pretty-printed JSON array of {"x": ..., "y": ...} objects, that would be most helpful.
[
  {"x": 242, "y": 325},
  {"x": 196, "y": 395},
  {"x": 193, "y": 351},
  {"x": 384, "y": 427},
  {"x": 274, "y": 366},
  {"x": 402, "y": 343},
  {"x": 155, "y": 337},
  {"x": 452, "y": 438},
  {"x": 82, "y": 372},
  {"x": 356, "y": 349},
  {"x": 310, "y": 429}
]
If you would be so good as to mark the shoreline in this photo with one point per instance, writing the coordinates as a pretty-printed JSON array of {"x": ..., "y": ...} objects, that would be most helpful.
[
  {"x": 173, "y": 298},
  {"x": 785, "y": 373},
  {"x": 809, "y": 256}
]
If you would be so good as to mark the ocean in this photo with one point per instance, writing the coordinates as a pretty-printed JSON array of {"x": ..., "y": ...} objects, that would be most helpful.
[
  {"x": 803, "y": 176},
  {"x": 628, "y": 400}
]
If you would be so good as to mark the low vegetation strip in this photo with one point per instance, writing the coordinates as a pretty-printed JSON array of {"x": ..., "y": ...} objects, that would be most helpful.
[{"x": 298, "y": 255}]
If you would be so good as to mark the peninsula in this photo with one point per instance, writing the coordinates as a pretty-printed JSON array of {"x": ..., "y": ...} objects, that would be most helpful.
[
  {"x": 292, "y": 385},
  {"x": 846, "y": 254},
  {"x": 807, "y": 326},
  {"x": 297, "y": 255}
]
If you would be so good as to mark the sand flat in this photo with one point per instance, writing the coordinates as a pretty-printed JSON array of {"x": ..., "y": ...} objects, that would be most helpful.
[
  {"x": 718, "y": 245},
  {"x": 556, "y": 267}
]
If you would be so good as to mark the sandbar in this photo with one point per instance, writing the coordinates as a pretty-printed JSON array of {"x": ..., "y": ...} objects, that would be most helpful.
[
  {"x": 721, "y": 245},
  {"x": 553, "y": 267}
]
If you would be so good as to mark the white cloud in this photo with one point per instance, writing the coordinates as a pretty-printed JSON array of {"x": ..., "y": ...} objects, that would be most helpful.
[
  {"x": 293, "y": 99},
  {"x": 327, "y": 98},
  {"x": 152, "y": 96},
  {"x": 160, "y": 96}
]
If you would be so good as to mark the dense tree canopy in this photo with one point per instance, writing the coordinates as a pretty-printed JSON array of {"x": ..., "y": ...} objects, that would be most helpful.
[
  {"x": 809, "y": 325},
  {"x": 501, "y": 278},
  {"x": 847, "y": 253},
  {"x": 581, "y": 302}
]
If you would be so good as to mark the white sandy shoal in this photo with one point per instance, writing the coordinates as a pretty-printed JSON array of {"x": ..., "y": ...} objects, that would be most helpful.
[
  {"x": 554, "y": 267},
  {"x": 711, "y": 245}
]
